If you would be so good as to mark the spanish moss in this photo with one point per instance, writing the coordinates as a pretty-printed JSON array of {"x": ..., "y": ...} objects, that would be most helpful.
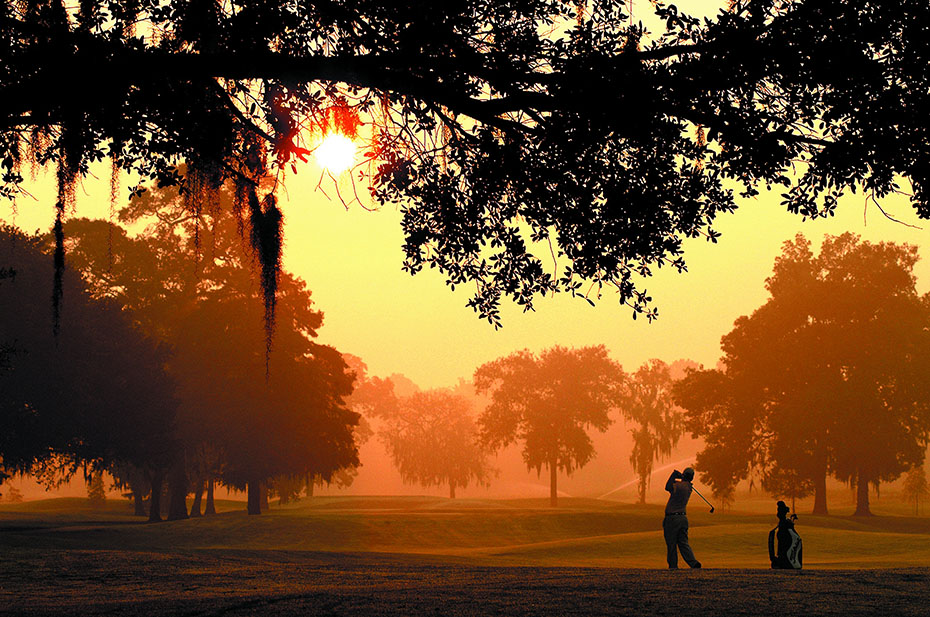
[
  {"x": 59, "y": 261},
  {"x": 67, "y": 178},
  {"x": 267, "y": 226}
]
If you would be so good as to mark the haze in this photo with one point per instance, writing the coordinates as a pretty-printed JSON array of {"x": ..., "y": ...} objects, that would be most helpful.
[{"x": 418, "y": 327}]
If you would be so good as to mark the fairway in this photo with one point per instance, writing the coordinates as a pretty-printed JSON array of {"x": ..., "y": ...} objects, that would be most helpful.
[{"x": 382, "y": 556}]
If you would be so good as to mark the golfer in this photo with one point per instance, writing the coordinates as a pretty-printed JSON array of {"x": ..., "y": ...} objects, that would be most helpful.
[{"x": 675, "y": 523}]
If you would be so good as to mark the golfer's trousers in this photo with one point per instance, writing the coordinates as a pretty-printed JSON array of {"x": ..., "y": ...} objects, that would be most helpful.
[{"x": 675, "y": 527}]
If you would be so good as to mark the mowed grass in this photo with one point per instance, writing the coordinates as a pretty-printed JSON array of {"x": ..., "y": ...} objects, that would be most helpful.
[
  {"x": 403, "y": 555},
  {"x": 521, "y": 532}
]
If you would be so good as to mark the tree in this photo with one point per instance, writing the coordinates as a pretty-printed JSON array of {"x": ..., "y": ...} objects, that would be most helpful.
[
  {"x": 95, "y": 394},
  {"x": 433, "y": 440},
  {"x": 549, "y": 402},
  {"x": 915, "y": 486},
  {"x": 828, "y": 376},
  {"x": 475, "y": 114},
  {"x": 234, "y": 426},
  {"x": 717, "y": 411},
  {"x": 787, "y": 482},
  {"x": 659, "y": 423},
  {"x": 130, "y": 477},
  {"x": 96, "y": 491}
]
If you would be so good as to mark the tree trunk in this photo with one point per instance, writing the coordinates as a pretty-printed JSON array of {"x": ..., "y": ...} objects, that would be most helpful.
[
  {"x": 177, "y": 491},
  {"x": 820, "y": 494},
  {"x": 138, "y": 504},
  {"x": 451, "y": 490},
  {"x": 254, "y": 503},
  {"x": 642, "y": 489},
  {"x": 155, "y": 500},
  {"x": 198, "y": 498},
  {"x": 210, "y": 509},
  {"x": 862, "y": 496},
  {"x": 136, "y": 487},
  {"x": 553, "y": 493}
]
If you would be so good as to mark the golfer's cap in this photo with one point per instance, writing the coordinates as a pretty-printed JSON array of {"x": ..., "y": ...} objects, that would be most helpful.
[
  {"x": 688, "y": 473},
  {"x": 782, "y": 507}
]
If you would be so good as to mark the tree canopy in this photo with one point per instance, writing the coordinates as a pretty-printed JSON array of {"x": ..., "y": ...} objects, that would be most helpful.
[
  {"x": 549, "y": 402},
  {"x": 533, "y": 146},
  {"x": 433, "y": 441},
  {"x": 296, "y": 421},
  {"x": 827, "y": 377},
  {"x": 96, "y": 394}
]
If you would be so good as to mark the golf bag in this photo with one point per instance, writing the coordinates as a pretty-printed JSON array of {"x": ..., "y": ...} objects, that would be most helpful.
[{"x": 792, "y": 559}]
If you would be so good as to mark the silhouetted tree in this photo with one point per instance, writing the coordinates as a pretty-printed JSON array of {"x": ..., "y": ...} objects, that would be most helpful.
[
  {"x": 549, "y": 402},
  {"x": 293, "y": 422},
  {"x": 476, "y": 114},
  {"x": 126, "y": 476},
  {"x": 828, "y": 376},
  {"x": 373, "y": 397},
  {"x": 648, "y": 402},
  {"x": 236, "y": 427},
  {"x": 433, "y": 440},
  {"x": 716, "y": 410},
  {"x": 93, "y": 395}
]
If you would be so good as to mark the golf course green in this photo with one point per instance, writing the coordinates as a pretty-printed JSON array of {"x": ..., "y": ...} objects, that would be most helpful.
[{"x": 429, "y": 555}]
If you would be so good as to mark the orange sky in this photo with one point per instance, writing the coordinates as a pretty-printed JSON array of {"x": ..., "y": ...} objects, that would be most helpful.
[{"x": 417, "y": 326}]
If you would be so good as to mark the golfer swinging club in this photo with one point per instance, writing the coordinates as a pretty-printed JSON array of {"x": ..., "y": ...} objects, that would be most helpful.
[{"x": 675, "y": 523}]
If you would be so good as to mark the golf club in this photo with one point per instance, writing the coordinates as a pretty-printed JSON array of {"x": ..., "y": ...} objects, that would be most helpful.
[{"x": 705, "y": 500}]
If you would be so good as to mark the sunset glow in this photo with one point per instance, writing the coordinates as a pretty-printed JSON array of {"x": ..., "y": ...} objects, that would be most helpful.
[{"x": 336, "y": 153}]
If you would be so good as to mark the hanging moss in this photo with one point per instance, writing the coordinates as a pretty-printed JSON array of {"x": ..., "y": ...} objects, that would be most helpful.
[
  {"x": 192, "y": 191},
  {"x": 267, "y": 227},
  {"x": 67, "y": 179},
  {"x": 240, "y": 198},
  {"x": 59, "y": 261},
  {"x": 201, "y": 192},
  {"x": 37, "y": 147}
]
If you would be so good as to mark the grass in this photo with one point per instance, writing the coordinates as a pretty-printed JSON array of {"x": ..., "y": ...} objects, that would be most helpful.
[{"x": 402, "y": 555}]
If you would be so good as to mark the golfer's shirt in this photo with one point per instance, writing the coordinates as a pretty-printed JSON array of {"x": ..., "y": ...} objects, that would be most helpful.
[{"x": 680, "y": 494}]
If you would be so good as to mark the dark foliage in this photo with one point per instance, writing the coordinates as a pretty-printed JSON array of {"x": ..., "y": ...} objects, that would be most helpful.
[
  {"x": 507, "y": 132},
  {"x": 827, "y": 377},
  {"x": 235, "y": 427},
  {"x": 95, "y": 394},
  {"x": 549, "y": 402}
]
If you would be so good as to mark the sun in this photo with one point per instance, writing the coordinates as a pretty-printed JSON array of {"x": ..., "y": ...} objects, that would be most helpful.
[{"x": 336, "y": 153}]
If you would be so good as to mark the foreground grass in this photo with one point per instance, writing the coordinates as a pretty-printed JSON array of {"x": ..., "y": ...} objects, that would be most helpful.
[
  {"x": 377, "y": 556},
  {"x": 272, "y": 583}
]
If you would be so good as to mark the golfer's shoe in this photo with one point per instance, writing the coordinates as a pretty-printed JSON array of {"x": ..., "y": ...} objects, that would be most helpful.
[{"x": 697, "y": 564}]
